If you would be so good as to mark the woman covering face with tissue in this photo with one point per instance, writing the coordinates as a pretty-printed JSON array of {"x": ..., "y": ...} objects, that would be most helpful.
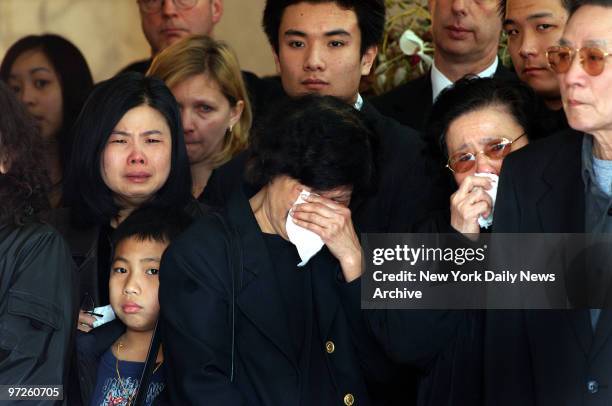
[
  {"x": 260, "y": 306},
  {"x": 480, "y": 121}
]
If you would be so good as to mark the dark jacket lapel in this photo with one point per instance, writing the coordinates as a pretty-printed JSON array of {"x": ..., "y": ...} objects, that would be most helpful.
[
  {"x": 561, "y": 209},
  {"x": 421, "y": 101},
  {"x": 561, "y": 206},
  {"x": 579, "y": 319},
  {"x": 324, "y": 270},
  {"x": 258, "y": 290},
  {"x": 602, "y": 332},
  {"x": 504, "y": 73}
]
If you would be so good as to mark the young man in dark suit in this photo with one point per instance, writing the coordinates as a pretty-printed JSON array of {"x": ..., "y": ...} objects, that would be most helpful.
[
  {"x": 466, "y": 37},
  {"x": 532, "y": 27},
  {"x": 561, "y": 185},
  {"x": 325, "y": 47}
]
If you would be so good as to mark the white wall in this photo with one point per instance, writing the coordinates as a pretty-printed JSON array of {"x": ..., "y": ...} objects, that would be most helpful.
[{"x": 109, "y": 35}]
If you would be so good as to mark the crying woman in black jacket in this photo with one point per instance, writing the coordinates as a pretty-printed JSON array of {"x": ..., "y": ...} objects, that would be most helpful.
[{"x": 37, "y": 305}]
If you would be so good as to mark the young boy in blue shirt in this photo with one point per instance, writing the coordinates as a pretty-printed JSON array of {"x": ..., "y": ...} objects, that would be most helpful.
[{"x": 112, "y": 357}]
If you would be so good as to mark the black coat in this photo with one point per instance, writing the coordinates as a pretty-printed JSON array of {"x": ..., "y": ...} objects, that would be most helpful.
[
  {"x": 409, "y": 182},
  {"x": 90, "y": 349},
  {"x": 37, "y": 306},
  {"x": 411, "y": 102},
  {"x": 196, "y": 296},
  {"x": 546, "y": 357},
  {"x": 407, "y": 186}
]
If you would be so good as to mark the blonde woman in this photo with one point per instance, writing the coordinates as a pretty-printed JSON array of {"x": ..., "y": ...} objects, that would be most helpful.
[{"x": 205, "y": 78}]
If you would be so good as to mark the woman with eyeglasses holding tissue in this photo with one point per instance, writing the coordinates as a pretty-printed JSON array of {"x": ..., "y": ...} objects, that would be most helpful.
[
  {"x": 261, "y": 300},
  {"x": 479, "y": 122}
]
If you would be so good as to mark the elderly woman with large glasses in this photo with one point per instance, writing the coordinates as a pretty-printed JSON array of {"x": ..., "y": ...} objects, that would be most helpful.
[{"x": 480, "y": 121}]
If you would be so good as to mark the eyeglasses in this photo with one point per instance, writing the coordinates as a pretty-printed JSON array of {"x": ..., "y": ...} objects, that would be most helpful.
[
  {"x": 593, "y": 60},
  {"x": 496, "y": 149},
  {"x": 154, "y": 6}
]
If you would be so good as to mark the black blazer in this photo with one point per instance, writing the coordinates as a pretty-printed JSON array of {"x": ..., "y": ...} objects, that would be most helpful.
[
  {"x": 90, "y": 349},
  {"x": 411, "y": 102},
  {"x": 196, "y": 296},
  {"x": 407, "y": 186},
  {"x": 540, "y": 357}
]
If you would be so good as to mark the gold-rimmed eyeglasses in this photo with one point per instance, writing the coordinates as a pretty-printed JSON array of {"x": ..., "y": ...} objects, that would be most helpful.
[
  {"x": 494, "y": 149},
  {"x": 592, "y": 59}
]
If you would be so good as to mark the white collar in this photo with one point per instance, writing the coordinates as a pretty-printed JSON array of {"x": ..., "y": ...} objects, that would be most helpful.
[
  {"x": 358, "y": 103},
  {"x": 440, "y": 82}
]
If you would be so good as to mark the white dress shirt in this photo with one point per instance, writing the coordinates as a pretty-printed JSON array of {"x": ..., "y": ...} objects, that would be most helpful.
[{"x": 440, "y": 82}]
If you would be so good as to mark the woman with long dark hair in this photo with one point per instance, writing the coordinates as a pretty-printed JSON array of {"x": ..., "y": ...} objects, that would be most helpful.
[
  {"x": 51, "y": 78},
  {"x": 128, "y": 153}
]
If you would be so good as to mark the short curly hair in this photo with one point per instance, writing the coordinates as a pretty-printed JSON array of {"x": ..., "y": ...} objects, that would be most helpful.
[
  {"x": 320, "y": 141},
  {"x": 24, "y": 186}
]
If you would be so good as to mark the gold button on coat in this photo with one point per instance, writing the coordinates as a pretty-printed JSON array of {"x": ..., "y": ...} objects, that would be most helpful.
[
  {"x": 349, "y": 399},
  {"x": 330, "y": 347}
]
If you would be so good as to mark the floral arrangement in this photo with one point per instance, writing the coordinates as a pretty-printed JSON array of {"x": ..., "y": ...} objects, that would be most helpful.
[{"x": 407, "y": 48}]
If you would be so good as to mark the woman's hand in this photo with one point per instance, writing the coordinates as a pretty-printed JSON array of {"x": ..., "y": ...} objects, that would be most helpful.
[
  {"x": 332, "y": 222},
  {"x": 86, "y": 321},
  {"x": 469, "y": 202}
]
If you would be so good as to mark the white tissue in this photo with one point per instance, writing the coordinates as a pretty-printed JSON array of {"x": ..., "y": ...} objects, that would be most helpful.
[
  {"x": 306, "y": 242},
  {"x": 108, "y": 315},
  {"x": 487, "y": 222}
]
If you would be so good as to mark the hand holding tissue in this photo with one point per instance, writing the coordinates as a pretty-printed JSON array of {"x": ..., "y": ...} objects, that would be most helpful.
[
  {"x": 306, "y": 242},
  {"x": 487, "y": 222}
]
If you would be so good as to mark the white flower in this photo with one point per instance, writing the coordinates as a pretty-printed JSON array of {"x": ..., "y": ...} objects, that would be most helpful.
[{"x": 410, "y": 43}]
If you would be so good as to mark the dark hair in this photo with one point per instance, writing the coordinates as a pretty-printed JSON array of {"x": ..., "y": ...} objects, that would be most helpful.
[
  {"x": 501, "y": 6},
  {"x": 370, "y": 17},
  {"x": 320, "y": 141},
  {"x": 576, "y": 4},
  {"x": 85, "y": 191},
  {"x": 23, "y": 187},
  {"x": 152, "y": 224},
  {"x": 74, "y": 76},
  {"x": 472, "y": 93}
]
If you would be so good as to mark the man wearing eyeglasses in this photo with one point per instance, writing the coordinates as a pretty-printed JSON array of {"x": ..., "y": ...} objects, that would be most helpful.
[
  {"x": 164, "y": 22},
  {"x": 561, "y": 184}
]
